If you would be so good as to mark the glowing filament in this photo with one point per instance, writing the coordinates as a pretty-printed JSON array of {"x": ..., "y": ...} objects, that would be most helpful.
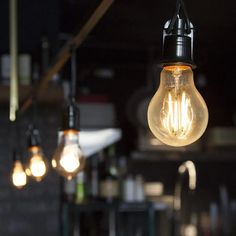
[
  {"x": 177, "y": 114},
  {"x": 69, "y": 158},
  {"x": 19, "y": 178},
  {"x": 37, "y": 166}
]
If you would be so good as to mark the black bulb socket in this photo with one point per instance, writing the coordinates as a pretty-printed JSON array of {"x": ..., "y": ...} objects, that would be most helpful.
[
  {"x": 177, "y": 46},
  {"x": 71, "y": 117},
  {"x": 33, "y": 138}
]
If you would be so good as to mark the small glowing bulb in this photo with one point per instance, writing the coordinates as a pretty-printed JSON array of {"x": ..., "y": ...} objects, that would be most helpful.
[
  {"x": 19, "y": 178},
  {"x": 54, "y": 164},
  {"x": 68, "y": 159},
  {"x": 177, "y": 114},
  {"x": 37, "y": 163}
]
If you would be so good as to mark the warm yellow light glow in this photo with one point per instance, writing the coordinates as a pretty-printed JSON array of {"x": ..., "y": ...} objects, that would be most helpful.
[
  {"x": 178, "y": 117},
  {"x": 68, "y": 159},
  {"x": 177, "y": 114},
  {"x": 37, "y": 163},
  {"x": 54, "y": 163},
  {"x": 19, "y": 178}
]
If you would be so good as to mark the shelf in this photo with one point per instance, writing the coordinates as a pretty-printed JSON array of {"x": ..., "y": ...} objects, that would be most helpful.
[
  {"x": 119, "y": 206},
  {"x": 53, "y": 94},
  {"x": 226, "y": 155}
]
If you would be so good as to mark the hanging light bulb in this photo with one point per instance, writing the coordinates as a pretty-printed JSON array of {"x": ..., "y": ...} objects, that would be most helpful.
[
  {"x": 68, "y": 159},
  {"x": 19, "y": 178},
  {"x": 177, "y": 114},
  {"x": 37, "y": 165}
]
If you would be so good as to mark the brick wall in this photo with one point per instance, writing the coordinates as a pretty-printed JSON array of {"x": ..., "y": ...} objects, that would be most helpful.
[{"x": 35, "y": 209}]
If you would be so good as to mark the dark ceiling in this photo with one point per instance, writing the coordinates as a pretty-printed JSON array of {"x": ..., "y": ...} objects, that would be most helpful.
[{"x": 128, "y": 40}]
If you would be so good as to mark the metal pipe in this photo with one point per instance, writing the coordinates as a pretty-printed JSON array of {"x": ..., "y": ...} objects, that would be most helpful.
[
  {"x": 191, "y": 170},
  {"x": 14, "y": 103}
]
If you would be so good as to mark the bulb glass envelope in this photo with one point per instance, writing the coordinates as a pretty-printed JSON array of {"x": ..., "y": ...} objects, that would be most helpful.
[
  {"x": 37, "y": 166},
  {"x": 19, "y": 178},
  {"x": 68, "y": 158},
  {"x": 177, "y": 113}
]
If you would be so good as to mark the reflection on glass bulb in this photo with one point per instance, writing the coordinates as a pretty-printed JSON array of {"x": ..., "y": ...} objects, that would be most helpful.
[
  {"x": 177, "y": 114},
  {"x": 19, "y": 178},
  {"x": 68, "y": 159},
  {"x": 37, "y": 164}
]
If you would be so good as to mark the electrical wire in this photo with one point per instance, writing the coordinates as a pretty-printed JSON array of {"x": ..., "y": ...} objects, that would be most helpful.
[
  {"x": 73, "y": 74},
  {"x": 180, "y": 11}
]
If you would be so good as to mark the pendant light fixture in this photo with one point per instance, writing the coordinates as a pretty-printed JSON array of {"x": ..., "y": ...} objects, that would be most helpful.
[
  {"x": 37, "y": 164},
  {"x": 68, "y": 158},
  {"x": 19, "y": 178},
  {"x": 18, "y": 174},
  {"x": 177, "y": 114}
]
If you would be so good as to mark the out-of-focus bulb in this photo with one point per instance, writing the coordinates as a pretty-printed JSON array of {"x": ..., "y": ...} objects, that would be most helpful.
[
  {"x": 177, "y": 114},
  {"x": 19, "y": 178},
  {"x": 37, "y": 164},
  {"x": 54, "y": 164},
  {"x": 68, "y": 159}
]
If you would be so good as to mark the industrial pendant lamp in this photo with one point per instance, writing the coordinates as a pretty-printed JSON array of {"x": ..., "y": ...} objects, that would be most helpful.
[
  {"x": 19, "y": 178},
  {"x": 18, "y": 174},
  {"x": 177, "y": 114},
  {"x": 68, "y": 158},
  {"x": 37, "y": 164}
]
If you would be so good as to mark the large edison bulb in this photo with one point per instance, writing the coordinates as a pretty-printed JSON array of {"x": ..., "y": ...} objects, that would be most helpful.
[
  {"x": 68, "y": 159},
  {"x": 37, "y": 167},
  {"x": 19, "y": 178},
  {"x": 177, "y": 114}
]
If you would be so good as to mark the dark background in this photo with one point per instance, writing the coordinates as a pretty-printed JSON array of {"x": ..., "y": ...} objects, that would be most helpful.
[
  {"x": 127, "y": 42},
  {"x": 128, "y": 39}
]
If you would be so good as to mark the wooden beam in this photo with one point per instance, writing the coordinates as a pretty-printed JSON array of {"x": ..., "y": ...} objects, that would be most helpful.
[{"x": 65, "y": 53}]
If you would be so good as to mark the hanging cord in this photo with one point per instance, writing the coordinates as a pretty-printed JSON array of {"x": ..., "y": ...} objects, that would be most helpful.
[
  {"x": 32, "y": 133},
  {"x": 73, "y": 74},
  {"x": 180, "y": 11},
  {"x": 73, "y": 79},
  {"x": 34, "y": 112},
  {"x": 17, "y": 149}
]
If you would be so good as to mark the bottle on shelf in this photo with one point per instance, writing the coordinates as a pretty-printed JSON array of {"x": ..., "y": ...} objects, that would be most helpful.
[
  {"x": 80, "y": 188},
  {"x": 94, "y": 178},
  {"x": 5, "y": 69},
  {"x": 139, "y": 189},
  {"x": 109, "y": 184},
  {"x": 25, "y": 69},
  {"x": 129, "y": 189}
]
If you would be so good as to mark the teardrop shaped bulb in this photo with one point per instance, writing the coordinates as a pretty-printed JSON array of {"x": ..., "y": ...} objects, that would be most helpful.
[
  {"x": 68, "y": 159},
  {"x": 37, "y": 166},
  {"x": 177, "y": 113},
  {"x": 19, "y": 178}
]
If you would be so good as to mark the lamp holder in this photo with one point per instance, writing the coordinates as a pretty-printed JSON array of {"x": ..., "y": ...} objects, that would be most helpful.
[
  {"x": 178, "y": 39},
  {"x": 16, "y": 156},
  {"x": 71, "y": 116},
  {"x": 33, "y": 137},
  {"x": 71, "y": 113}
]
